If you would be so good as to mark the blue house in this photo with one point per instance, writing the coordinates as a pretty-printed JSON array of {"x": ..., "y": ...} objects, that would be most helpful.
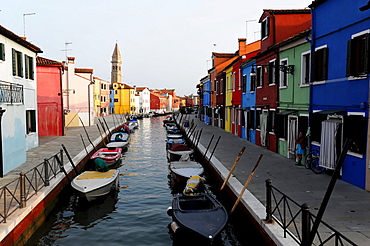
[
  {"x": 339, "y": 93},
  {"x": 206, "y": 103},
  {"x": 248, "y": 101}
]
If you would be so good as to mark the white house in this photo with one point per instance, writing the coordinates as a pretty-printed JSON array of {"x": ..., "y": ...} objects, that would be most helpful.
[
  {"x": 18, "y": 99},
  {"x": 78, "y": 95},
  {"x": 144, "y": 99}
]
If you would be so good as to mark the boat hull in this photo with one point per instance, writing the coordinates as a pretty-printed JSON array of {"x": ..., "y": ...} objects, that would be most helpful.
[
  {"x": 201, "y": 214},
  {"x": 92, "y": 184},
  {"x": 181, "y": 171},
  {"x": 111, "y": 156}
]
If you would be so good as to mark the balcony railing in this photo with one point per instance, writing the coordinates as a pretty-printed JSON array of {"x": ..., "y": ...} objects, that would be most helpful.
[{"x": 11, "y": 93}]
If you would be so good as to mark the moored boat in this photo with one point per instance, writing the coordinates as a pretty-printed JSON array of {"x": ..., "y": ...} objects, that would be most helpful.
[
  {"x": 93, "y": 184},
  {"x": 122, "y": 145},
  {"x": 120, "y": 137},
  {"x": 201, "y": 214},
  {"x": 179, "y": 151},
  {"x": 181, "y": 171},
  {"x": 111, "y": 156}
]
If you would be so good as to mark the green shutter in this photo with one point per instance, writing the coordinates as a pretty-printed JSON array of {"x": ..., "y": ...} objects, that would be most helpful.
[
  {"x": 2, "y": 52},
  {"x": 14, "y": 62},
  {"x": 26, "y": 66}
]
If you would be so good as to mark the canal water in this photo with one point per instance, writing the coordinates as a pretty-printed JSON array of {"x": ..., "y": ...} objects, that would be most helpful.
[{"x": 136, "y": 213}]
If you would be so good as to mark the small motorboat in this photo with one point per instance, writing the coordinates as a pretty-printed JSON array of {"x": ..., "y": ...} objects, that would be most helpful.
[
  {"x": 201, "y": 214},
  {"x": 120, "y": 137},
  {"x": 93, "y": 184},
  {"x": 122, "y": 145},
  {"x": 181, "y": 171},
  {"x": 168, "y": 119},
  {"x": 133, "y": 124},
  {"x": 179, "y": 150},
  {"x": 173, "y": 139},
  {"x": 111, "y": 156}
]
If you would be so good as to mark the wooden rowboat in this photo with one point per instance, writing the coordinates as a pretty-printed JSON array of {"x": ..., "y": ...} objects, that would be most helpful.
[{"x": 111, "y": 156}]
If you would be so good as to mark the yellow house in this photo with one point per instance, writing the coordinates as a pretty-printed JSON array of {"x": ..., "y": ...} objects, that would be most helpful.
[
  {"x": 124, "y": 98},
  {"x": 228, "y": 97}
]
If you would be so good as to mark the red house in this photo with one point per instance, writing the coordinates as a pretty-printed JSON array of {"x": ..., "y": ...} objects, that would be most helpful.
[
  {"x": 49, "y": 97},
  {"x": 276, "y": 26},
  {"x": 158, "y": 103}
]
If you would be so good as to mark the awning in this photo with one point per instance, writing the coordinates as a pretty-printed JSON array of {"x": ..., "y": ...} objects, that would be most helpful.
[
  {"x": 287, "y": 112},
  {"x": 330, "y": 111}
]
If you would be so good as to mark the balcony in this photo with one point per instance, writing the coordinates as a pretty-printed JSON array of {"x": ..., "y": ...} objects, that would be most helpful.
[{"x": 11, "y": 93}]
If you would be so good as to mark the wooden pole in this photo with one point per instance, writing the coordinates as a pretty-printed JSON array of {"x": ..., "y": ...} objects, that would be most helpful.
[
  {"x": 88, "y": 137},
  {"x": 103, "y": 139},
  {"x": 246, "y": 184},
  {"x": 233, "y": 167},
  {"x": 209, "y": 144}
]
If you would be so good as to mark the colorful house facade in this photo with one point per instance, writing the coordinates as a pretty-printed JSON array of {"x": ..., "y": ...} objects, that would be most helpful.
[{"x": 50, "y": 113}]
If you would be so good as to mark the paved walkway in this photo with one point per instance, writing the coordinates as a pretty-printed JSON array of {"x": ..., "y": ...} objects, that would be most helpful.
[{"x": 348, "y": 210}]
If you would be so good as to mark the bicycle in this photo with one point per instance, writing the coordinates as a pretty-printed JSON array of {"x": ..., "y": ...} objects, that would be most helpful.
[{"x": 312, "y": 161}]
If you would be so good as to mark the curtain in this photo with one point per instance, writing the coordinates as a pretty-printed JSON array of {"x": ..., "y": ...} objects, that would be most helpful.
[
  {"x": 328, "y": 153},
  {"x": 263, "y": 124},
  {"x": 292, "y": 134}
]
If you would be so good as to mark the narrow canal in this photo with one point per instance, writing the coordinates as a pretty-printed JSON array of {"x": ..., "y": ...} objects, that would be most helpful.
[{"x": 136, "y": 213}]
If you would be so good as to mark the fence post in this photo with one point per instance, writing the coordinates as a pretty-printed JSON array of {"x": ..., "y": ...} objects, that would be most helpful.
[
  {"x": 46, "y": 169},
  {"x": 306, "y": 222},
  {"x": 268, "y": 201},
  {"x": 22, "y": 203}
]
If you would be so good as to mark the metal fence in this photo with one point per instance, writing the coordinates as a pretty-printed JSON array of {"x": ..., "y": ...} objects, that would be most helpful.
[
  {"x": 16, "y": 193},
  {"x": 11, "y": 93},
  {"x": 297, "y": 220}
]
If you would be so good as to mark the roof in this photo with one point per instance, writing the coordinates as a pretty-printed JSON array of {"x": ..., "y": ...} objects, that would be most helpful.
[
  {"x": 297, "y": 36},
  {"x": 84, "y": 70},
  {"x": 224, "y": 55},
  {"x": 141, "y": 88},
  {"x": 20, "y": 40},
  {"x": 284, "y": 12},
  {"x": 41, "y": 61},
  {"x": 316, "y": 3}
]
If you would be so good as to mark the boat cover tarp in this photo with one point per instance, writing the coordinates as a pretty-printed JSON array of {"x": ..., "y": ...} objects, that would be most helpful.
[
  {"x": 179, "y": 147},
  {"x": 97, "y": 175},
  {"x": 100, "y": 165}
]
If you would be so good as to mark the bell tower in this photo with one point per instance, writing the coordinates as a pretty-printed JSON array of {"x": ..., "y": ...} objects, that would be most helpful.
[{"x": 116, "y": 73}]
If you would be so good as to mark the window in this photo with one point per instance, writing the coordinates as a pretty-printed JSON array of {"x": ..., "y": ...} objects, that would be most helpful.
[
  {"x": 284, "y": 74},
  {"x": 244, "y": 83},
  {"x": 17, "y": 63},
  {"x": 265, "y": 28},
  {"x": 272, "y": 72},
  {"x": 2, "y": 52},
  {"x": 320, "y": 64},
  {"x": 259, "y": 77},
  {"x": 306, "y": 61},
  {"x": 358, "y": 59},
  {"x": 29, "y": 71},
  {"x": 252, "y": 84},
  {"x": 30, "y": 121},
  {"x": 233, "y": 81},
  {"x": 355, "y": 127}
]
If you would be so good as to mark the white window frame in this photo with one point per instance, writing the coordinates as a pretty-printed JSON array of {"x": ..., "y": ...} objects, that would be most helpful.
[
  {"x": 282, "y": 74},
  {"x": 303, "y": 68}
]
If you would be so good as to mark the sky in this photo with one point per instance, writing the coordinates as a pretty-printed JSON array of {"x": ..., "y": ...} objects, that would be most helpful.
[{"x": 163, "y": 43}]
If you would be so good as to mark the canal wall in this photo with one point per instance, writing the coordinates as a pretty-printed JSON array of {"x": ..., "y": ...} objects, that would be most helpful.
[{"x": 23, "y": 222}]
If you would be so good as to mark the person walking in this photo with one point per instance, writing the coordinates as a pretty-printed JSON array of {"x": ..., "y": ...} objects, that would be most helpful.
[{"x": 300, "y": 148}]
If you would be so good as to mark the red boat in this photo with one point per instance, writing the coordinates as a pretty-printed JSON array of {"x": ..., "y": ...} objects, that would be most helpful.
[{"x": 111, "y": 156}]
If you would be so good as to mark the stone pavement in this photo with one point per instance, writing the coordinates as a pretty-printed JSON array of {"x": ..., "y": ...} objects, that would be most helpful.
[
  {"x": 49, "y": 146},
  {"x": 348, "y": 210}
]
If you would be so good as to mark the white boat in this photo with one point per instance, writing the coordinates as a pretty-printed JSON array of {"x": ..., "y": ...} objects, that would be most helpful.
[
  {"x": 120, "y": 137},
  {"x": 93, "y": 184},
  {"x": 183, "y": 170},
  {"x": 179, "y": 151},
  {"x": 122, "y": 145}
]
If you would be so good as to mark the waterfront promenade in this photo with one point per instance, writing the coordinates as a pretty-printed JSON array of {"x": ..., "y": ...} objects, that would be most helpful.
[{"x": 348, "y": 210}]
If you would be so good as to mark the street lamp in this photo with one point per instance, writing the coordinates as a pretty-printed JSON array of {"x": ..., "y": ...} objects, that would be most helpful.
[
  {"x": 24, "y": 23},
  {"x": 1, "y": 146},
  {"x": 88, "y": 99}
]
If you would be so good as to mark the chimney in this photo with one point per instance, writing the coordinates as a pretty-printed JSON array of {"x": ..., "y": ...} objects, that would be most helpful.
[{"x": 242, "y": 46}]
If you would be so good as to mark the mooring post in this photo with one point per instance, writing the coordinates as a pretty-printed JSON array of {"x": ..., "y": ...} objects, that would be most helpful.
[
  {"x": 88, "y": 137},
  {"x": 306, "y": 222},
  {"x": 268, "y": 201},
  {"x": 209, "y": 144},
  {"x": 198, "y": 139},
  {"x": 213, "y": 151},
  {"x": 22, "y": 203},
  {"x": 69, "y": 158},
  {"x": 46, "y": 172},
  {"x": 233, "y": 167},
  {"x": 107, "y": 127}
]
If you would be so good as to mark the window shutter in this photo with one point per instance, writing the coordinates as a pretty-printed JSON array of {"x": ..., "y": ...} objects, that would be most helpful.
[
  {"x": 26, "y": 66},
  {"x": 32, "y": 72},
  {"x": 313, "y": 66},
  {"x": 367, "y": 54},
  {"x": 277, "y": 72},
  {"x": 325, "y": 64},
  {"x": 20, "y": 64},
  {"x": 267, "y": 26},
  {"x": 349, "y": 70},
  {"x": 14, "y": 62},
  {"x": 2, "y": 52}
]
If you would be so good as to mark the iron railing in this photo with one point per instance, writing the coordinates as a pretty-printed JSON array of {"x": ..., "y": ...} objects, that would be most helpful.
[
  {"x": 297, "y": 220},
  {"x": 11, "y": 93},
  {"x": 16, "y": 193}
]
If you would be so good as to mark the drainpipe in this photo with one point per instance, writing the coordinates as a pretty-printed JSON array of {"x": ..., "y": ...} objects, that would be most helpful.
[{"x": 1, "y": 146}]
